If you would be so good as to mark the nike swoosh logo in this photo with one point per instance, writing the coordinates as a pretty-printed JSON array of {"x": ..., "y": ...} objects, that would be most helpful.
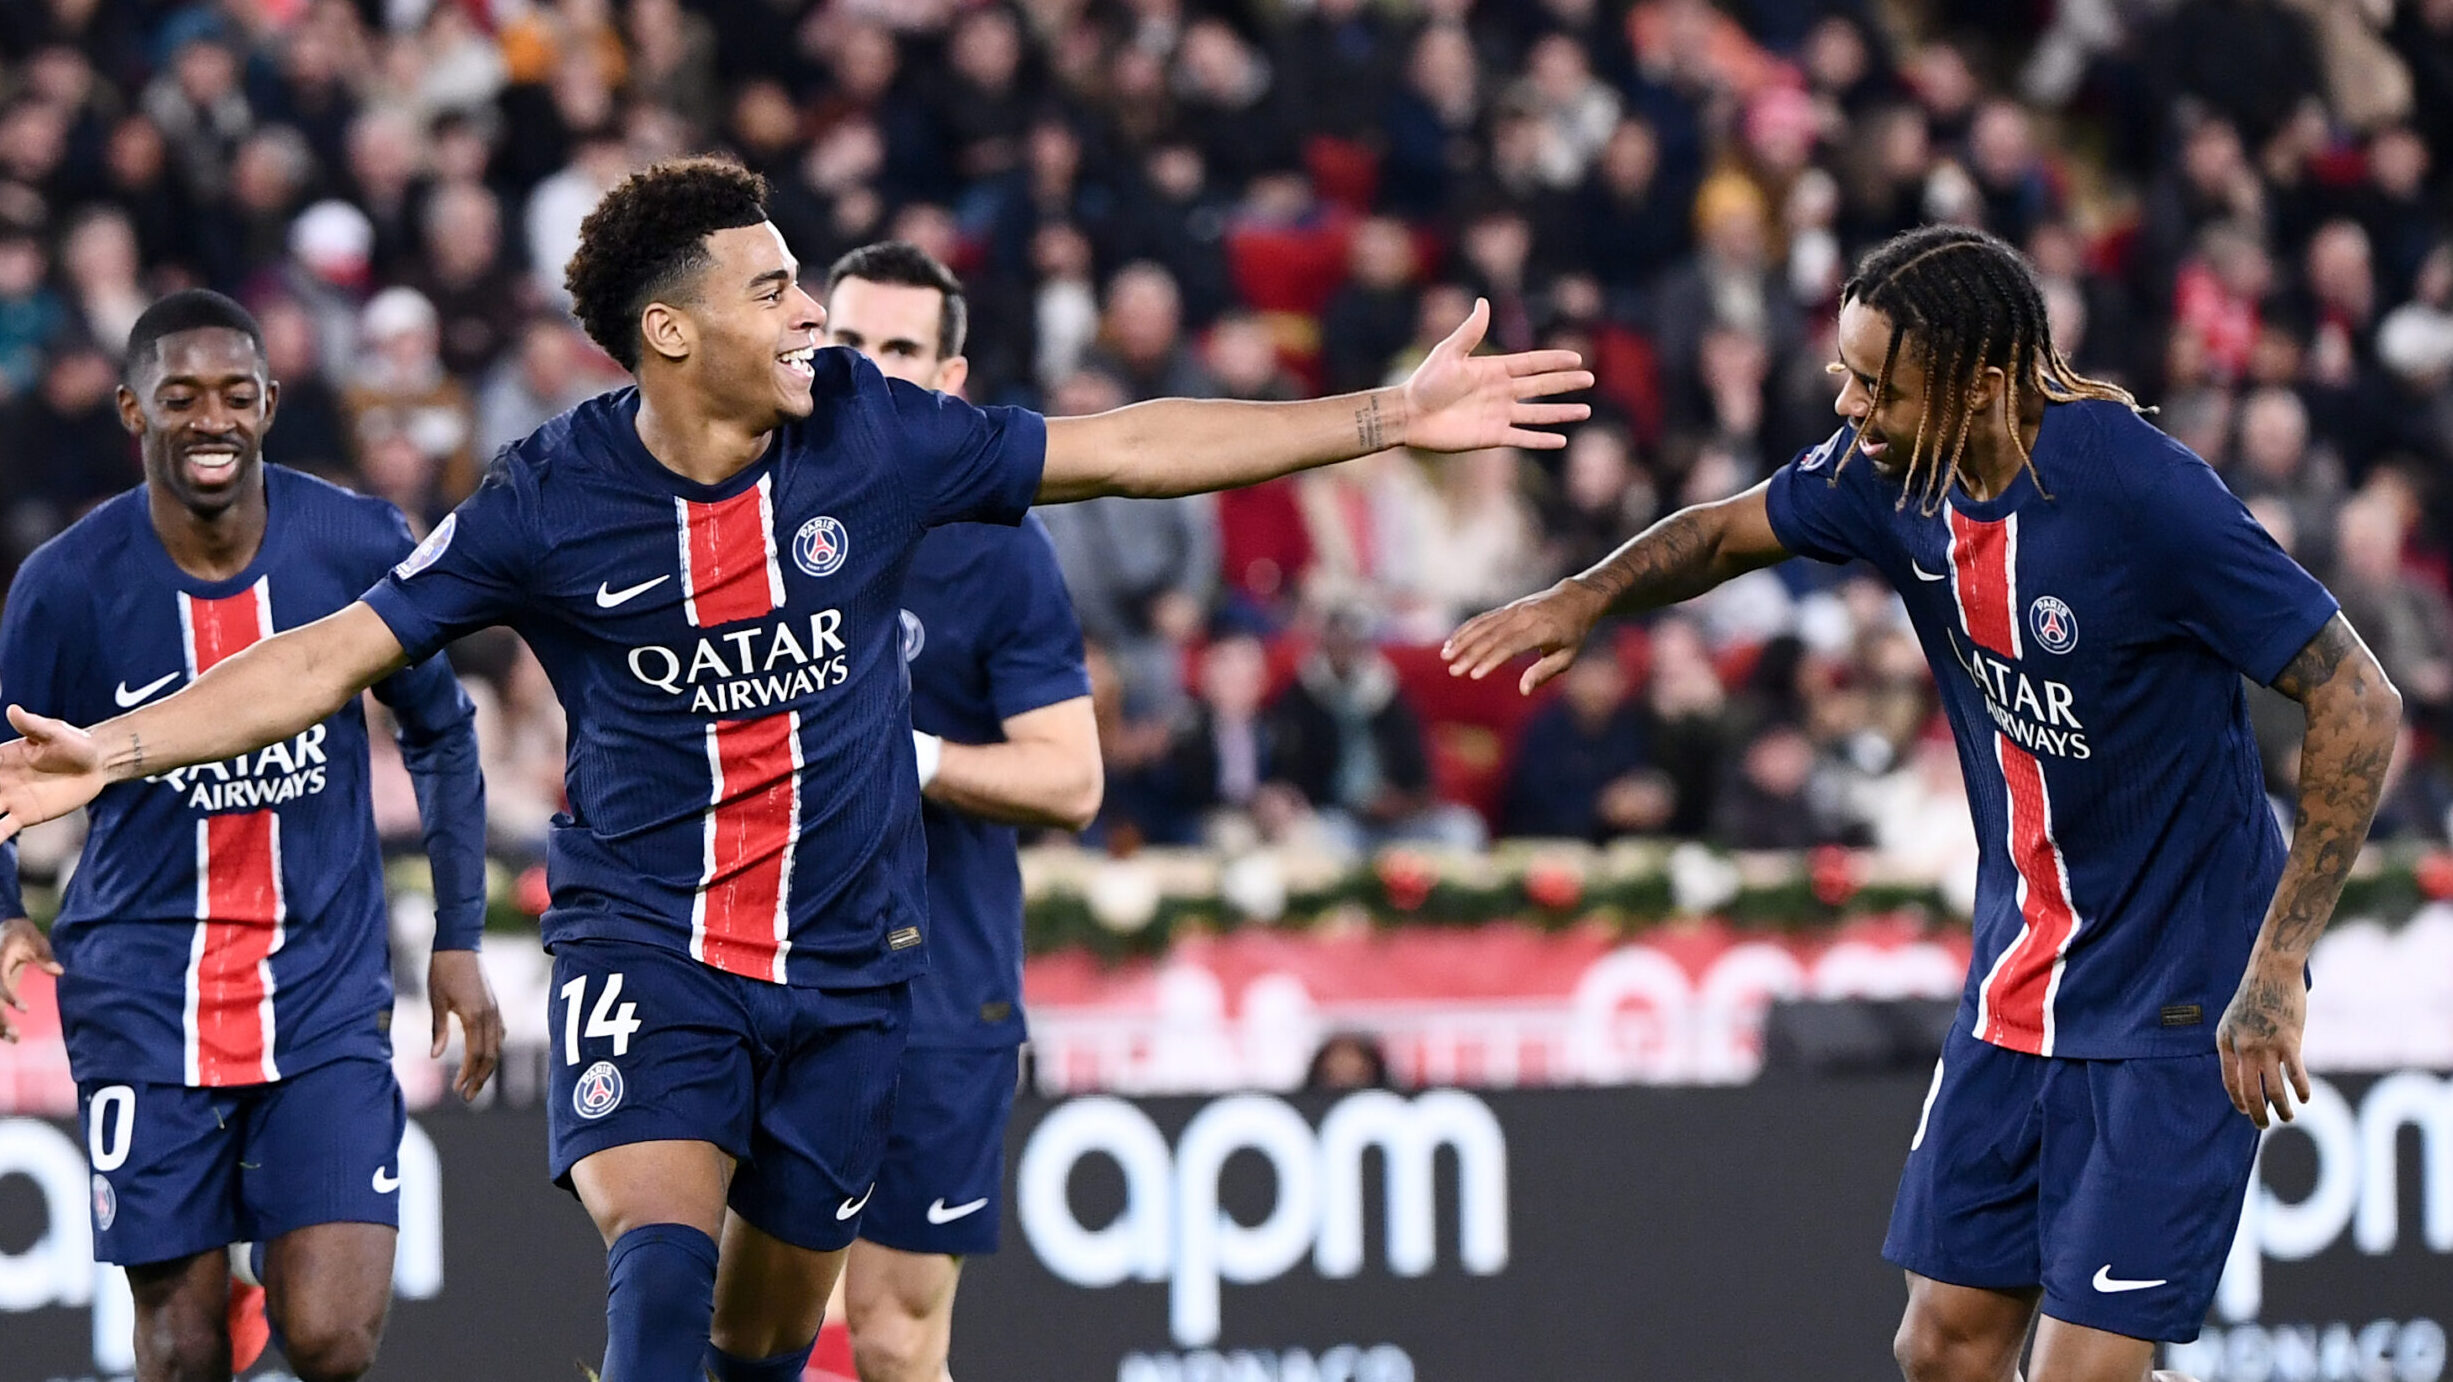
[
  {"x": 130, "y": 699},
  {"x": 2109, "y": 1284},
  {"x": 608, "y": 598},
  {"x": 1922, "y": 574},
  {"x": 852, "y": 1207},
  {"x": 386, "y": 1181},
  {"x": 939, "y": 1214}
]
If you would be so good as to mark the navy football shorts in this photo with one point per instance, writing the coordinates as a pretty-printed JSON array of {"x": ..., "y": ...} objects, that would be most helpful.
[
  {"x": 2116, "y": 1185},
  {"x": 941, "y": 1189},
  {"x": 180, "y": 1170},
  {"x": 797, "y": 1083}
]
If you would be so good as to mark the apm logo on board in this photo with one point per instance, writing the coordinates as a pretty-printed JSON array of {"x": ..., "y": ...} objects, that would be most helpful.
[{"x": 1173, "y": 1228}]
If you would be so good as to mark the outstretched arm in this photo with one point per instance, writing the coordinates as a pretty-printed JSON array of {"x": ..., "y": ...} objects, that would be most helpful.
[
  {"x": 1046, "y": 772},
  {"x": 1678, "y": 558},
  {"x": 2354, "y": 714},
  {"x": 1454, "y": 401},
  {"x": 269, "y": 692}
]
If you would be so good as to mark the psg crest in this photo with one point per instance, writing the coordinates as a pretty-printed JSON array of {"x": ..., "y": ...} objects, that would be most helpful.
[
  {"x": 106, "y": 1203},
  {"x": 2055, "y": 626},
  {"x": 820, "y": 546},
  {"x": 599, "y": 1090}
]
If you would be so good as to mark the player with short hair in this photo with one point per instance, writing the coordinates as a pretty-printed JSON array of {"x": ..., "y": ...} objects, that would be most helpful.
[
  {"x": 2089, "y": 595},
  {"x": 224, "y": 957},
  {"x": 1001, "y": 721},
  {"x": 710, "y": 567}
]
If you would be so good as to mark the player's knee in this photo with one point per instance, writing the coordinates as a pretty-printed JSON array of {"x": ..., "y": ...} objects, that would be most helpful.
[
  {"x": 1926, "y": 1352},
  {"x": 189, "y": 1350},
  {"x": 890, "y": 1344},
  {"x": 332, "y": 1352}
]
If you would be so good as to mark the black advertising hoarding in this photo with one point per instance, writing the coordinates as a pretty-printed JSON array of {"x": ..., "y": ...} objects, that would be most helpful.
[{"x": 1626, "y": 1233}]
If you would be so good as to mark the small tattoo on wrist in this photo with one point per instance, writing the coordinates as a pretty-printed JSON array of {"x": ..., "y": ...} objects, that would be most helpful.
[
  {"x": 1370, "y": 430},
  {"x": 136, "y": 751}
]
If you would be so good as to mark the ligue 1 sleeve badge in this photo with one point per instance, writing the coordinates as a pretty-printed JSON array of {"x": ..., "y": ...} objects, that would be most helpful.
[
  {"x": 429, "y": 551},
  {"x": 820, "y": 546},
  {"x": 2055, "y": 626}
]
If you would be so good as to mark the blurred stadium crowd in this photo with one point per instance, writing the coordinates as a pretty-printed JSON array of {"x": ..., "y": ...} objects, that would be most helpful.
[{"x": 2239, "y": 208}]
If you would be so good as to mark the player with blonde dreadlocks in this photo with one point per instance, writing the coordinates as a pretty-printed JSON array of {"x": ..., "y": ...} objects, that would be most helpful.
[{"x": 2089, "y": 595}]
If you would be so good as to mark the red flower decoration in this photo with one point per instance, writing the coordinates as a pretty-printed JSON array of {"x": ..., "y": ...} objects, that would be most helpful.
[{"x": 1833, "y": 873}]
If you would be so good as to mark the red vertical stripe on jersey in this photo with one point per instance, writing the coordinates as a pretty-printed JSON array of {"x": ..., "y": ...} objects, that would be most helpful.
[
  {"x": 741, "y": 917},
  {"x": 1984, "y": 578},
  {"x": 728, "y": 566},
  {"x": 239, "y": 907},
  {"x": 2015, "y": 1007}
]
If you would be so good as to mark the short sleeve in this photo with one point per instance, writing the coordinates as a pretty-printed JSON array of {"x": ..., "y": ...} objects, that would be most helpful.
[
  {"x": 30, "y": 644},
  {"x": 470, "y": 572},
  {"x": 2228, "y": 583},
  {"x": 1813, "y": 511},
  {"x": 1037, "y": 658},
  {"x": 975, "y": 465}
]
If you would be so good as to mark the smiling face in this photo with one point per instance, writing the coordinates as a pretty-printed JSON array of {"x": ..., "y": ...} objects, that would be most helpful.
[
  {"x": 199, "y": 410},
  {"x": 1864, "y": 342},
  {"x": 746, "y": 332}
]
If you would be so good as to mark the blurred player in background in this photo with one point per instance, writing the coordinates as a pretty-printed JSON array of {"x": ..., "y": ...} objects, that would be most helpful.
[
  {"x": 223, "y": 952},
  {"x": 1001, "y": 723},
  {"x": 710, "y": 567},
  {"x": 2089, "y": 595}
]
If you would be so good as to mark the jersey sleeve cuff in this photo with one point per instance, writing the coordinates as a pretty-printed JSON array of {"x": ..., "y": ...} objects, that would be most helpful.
[
  {"x": 2294, "y": 631},
  {"x": 418, "y": 635},
  {"x": 1026, "y": 448},
  {"x": 1038, "y": 694},
  {"x": 1780, "y": 506}
]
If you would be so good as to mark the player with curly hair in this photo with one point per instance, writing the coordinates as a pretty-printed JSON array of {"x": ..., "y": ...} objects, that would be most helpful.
[
  {"x": 2090, "y": 595},
  {"x": 710, "y": 564}
]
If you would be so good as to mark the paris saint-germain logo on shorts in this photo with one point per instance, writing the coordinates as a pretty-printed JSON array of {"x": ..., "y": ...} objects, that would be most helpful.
[
  {"x": 431, "y": 550},
  {"x": 106, "y": 1202},
  {"x": 915, "y": 635},
  {"x": 2056, "y": 628},
  {"x": 599, "y": 1091},
  {"x": 820, "y": 546}
]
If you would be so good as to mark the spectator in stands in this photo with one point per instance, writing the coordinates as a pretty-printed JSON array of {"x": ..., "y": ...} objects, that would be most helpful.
[
  {"x": 101, "y": 263},
  {"x": 1227, "y": 103},
  {"x": 2409, "y": 624},
  {"x": 1142, "y": 572},
  {"x": 1581, "y": 770},
  {"x": 314, "y": 432},
  {"x": 1346, "y": 737},
  {"x": 1686, "y": 722},
  {"x": 31, "y": 315},
  {"x": 2277, "y": 458},
  {"x": 1372, "y": 315},
  {"x": 1346, "y": 1061},
  {"x": 479, "y": 301},
  {"x": 1431, "y": 124},
  {"x": 673, "y": 52},
  {"x": 199, "y": 105},
  {"x": 1602, "y": 497},
  {"x": 1633, "y": 223},
  {"x": 72, "y": 451},
  {"x": 549, "y": 373},
  {"x": 385, "y": 174},
  {"x": 1337, "y": 62},
  {"x": 400, "y": 397},
  {"x": 1219, "y": 781},
  {"x": 1484, "y": 538},
  {"x": 1766, "y": 803},
  {"x": 246, "y": 230},
  {"x": 1141, "y": 338},
  {"x": 600, "y": 158}
]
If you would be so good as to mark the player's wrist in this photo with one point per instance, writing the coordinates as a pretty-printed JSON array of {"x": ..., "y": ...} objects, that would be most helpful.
[{"x": 927, "y": 751}]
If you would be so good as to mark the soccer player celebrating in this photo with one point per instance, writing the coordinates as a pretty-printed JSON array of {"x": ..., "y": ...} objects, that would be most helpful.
[
  {"x": 225, "y": 975},
  {"x": 1000, "y": 710},
  {"x": 2089, "y": 594},
  {"x": 710, "y": 567}
]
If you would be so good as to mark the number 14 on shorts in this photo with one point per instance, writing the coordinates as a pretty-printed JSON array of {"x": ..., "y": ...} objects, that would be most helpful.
[{"x": 605, "y": 1020}]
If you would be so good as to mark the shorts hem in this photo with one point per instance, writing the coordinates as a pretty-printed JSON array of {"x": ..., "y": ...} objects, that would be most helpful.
[
  {"x": 2170, "y": 1326},
  {"x": 828, "y": 1238},
  {"x": 1991, "y": 1277},
  {"x": 918, "y": 1244},
  {"x": 570, "y": 1150},
  {"x": 105, "y": 1254}
]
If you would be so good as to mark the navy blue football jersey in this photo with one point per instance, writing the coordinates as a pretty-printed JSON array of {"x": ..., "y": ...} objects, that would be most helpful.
[
  {"x": 2089, "y": 638},
  {"x": 226, "y": 924},
  {"x": 729, "y": 658},
  {"x": 990, "y": 634}
]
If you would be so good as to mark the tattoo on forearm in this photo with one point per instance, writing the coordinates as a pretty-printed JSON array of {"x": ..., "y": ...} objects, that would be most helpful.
[
  {"x": 1665, "y": 563},
  {"x": 1370, "y": 428},
  {"x": 136, "y": 752},
  {"x": 2353, "y": 714}
]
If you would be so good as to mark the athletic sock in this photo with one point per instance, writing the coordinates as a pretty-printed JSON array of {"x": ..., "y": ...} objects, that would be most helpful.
[
  {"x": 783, "y": 1367},
  {"x": 659, "y": 1304}
]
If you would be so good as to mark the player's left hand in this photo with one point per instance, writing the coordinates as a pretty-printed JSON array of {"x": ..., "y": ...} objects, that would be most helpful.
[
  {"x": 1458, "y": 401},
  {"x": 22, "y": 943},
  {"x": 455, "y": 983},
  {"x": 2259, "y": 1038}
]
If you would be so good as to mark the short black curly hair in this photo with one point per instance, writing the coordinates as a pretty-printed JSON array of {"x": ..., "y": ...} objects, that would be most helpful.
[{"x": 648, "y": 238}]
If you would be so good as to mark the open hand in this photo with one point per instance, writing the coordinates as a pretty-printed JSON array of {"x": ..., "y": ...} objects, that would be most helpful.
[
  {"x": 2259, "y": 1038},
  {"x": 456, "y": 985},
  {"x": 22, "y": 943},
  {"x": 1458, "y": 401},
  {"x": 52, "y": 771},
  {"x": 1554, "y": 623}
]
